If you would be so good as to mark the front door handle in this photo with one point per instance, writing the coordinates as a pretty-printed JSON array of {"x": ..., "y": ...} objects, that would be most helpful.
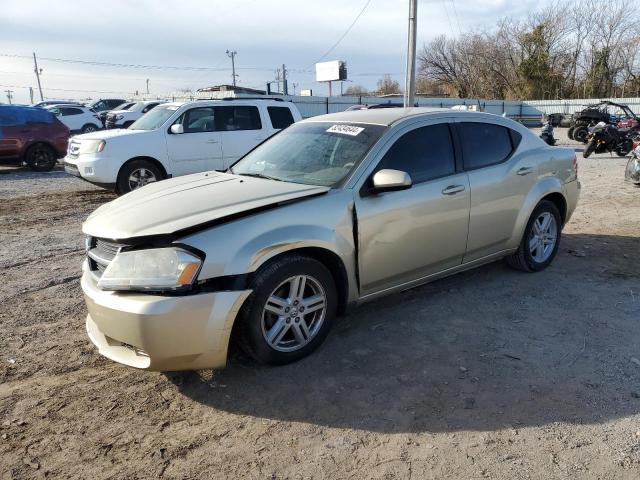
[
  {"x": 212, "y": 141},
  {"x": 453, "y": 189},
  {"x": 524, "y": 171}
]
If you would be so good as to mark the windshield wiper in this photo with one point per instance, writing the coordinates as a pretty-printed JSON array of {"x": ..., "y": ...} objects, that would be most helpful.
[{"x": 260, "y": 175}]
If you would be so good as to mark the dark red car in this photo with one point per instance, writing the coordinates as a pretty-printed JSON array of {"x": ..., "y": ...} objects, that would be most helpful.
[{"x": 31, "y": 135}]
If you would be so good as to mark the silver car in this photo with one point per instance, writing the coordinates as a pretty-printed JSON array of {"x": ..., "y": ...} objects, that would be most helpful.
[{"x": 331, "y": 212}]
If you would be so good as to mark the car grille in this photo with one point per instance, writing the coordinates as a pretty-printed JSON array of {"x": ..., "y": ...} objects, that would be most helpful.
[
  {"x": 100, "y": 253},
  {"x": 74, "y": 149}
]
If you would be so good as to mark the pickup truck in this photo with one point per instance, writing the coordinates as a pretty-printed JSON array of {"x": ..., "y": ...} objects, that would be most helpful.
[{"x": 177, "y": 139}]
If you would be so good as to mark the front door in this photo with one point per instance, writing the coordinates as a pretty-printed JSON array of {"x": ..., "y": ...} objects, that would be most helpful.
[
  {"x": 199, "y": 148},
  {"x": 409, "y": 234}
]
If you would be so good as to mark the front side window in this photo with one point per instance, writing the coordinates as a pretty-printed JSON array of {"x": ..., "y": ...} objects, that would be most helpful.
[
  {"x": 233, "y": 118},
  {"x": 280, "y": 117},
  {"x": 198, "y": 120},
  {"x": 311, "y": 153},
  {"x": 425, "y": 153},
  {"x": 149, "y": 107},
  {"x": 100, "y": 105},
  {"x": 485, "y": 144}
]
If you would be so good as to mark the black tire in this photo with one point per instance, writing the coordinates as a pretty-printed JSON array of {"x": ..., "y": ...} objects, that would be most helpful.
[
  {"x": 123, "y": 185},
  {"x": 624, "y": 150},
  {"x": 580, "y": 133},
  {"x": 250, "y": 335},
  {"x": 591, "y": 147},
  {"x": 523, "y": 260},
  {"x": 90, "y": 127},
  {"x": 570, "y": 132},
  {"x": 40, "y": 157}
]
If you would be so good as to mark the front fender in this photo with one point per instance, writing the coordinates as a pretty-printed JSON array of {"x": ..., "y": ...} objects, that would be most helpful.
[
  {"x": 242, "y": 246},
  {"x": 543, "y": 187}
]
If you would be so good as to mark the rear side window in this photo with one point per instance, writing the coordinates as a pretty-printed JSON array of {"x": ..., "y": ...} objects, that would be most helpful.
[
  {"x": 38, "y": 115},
  {"x": 485, "y": 144},
  {"x": 11, "y": 117},
  {"x": 237, "y": 118},
  {"x": 424, "y": 153},
  {"x": 280, "y": 117},
  {"x": 70, "y": 111}
]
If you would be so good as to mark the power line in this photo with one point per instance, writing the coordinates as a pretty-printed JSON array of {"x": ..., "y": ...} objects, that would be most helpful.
[
  {"x": 131, "y": 65},
  {"x": 69, "y": 89},
  {"x": 343, "y": 35}
]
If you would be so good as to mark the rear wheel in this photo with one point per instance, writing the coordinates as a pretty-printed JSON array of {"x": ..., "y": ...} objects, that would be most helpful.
[
  {"x": 540, "y": 241},
  {"x": 136, "y": 174},
  {"x": 40, "y": 157},
  {"x": 591, "y": 147},
  {"x": 290, "y": 311}
]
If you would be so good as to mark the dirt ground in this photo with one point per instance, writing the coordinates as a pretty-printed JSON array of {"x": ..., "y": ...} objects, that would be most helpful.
[{"x": 488, "y": 374}]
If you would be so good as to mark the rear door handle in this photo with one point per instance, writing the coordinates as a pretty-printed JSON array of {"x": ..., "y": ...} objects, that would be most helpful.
[
  {"x": 524, "y": 171},
  {"x": 453, "y": 189}
]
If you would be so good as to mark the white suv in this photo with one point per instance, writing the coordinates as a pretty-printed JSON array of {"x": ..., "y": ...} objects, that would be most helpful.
[
  {"x": 123, "y": 118},
  {"x": 77, "y": 118},
  {"x": 177, "y": 139}
]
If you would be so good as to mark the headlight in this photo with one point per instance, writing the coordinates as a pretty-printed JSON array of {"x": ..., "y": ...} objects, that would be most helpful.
[
  {"x": 91, "y": 146},
  {"x": 119, "y": 116},
  {"x": 157, "y": 269}
]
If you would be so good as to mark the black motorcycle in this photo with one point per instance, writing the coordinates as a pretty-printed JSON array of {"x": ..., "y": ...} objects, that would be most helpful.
[
  {"x": 604, "y": 137},
  {"x": 547, "y": 133}
]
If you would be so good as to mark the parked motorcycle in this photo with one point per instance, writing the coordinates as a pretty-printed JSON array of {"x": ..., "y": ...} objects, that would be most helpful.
[
  {"x": 547, "y": 133},
  {"x": 606, "y": 138},
  {"x": 632, "y": 172}
]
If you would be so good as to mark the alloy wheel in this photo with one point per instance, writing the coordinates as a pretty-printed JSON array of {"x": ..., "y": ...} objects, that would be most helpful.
[
  {"x": 543, "y": 237},
  {"x": 140, "y": 177},
  {"x": 293, "y": 314}
]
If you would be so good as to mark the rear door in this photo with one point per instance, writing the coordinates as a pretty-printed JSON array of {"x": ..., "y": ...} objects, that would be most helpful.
[
  {"x": 240, "y": 129},
  {"x": 500, "y": 178},
  {"x": 14, "y": 131},
  {"x": 74, "y": 118},
  {"x": 409, "y": 234},
  {"x": 199, "y": 148}
]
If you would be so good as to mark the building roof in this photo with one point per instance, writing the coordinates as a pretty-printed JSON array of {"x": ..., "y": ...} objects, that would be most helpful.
[{"x": 231, "y": 89}]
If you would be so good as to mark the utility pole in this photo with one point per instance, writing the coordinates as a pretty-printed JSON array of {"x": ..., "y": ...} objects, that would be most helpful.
[
  {"x": 295, "y": 85},
  {"x": 31, "y": 94},
  {"x": 38, "y": 72},
  {"x": 147, "y": 86},
  {"x": 277, "y": 80},
  {"x": 285, "y": 88},
  {"x": 9, "y": 95},
  {"x": 232, "y": 56},
  {"x": 410, "y": 83}
]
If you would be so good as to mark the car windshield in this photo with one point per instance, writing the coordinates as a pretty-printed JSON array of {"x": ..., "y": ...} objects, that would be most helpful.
[
  {"x": 314, "y": 153},
  {"x": 155, "y": 118}
]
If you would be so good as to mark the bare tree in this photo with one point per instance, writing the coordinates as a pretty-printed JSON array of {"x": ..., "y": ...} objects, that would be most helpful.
[
  {"x": 388, "y": 86},
  {"x": 356, "y": 90}
]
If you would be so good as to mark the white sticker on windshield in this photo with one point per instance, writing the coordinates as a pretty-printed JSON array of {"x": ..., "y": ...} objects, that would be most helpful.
[{"x": 345, "y": 129}]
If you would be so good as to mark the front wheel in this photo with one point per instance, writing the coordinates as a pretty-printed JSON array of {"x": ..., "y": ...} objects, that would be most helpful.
[
  {"x": 580, "y": 133},
  {"x": 540, "y": 241},
  {"x": 290, "y": 311},
  {"x": 136, "y": 174},
  {"x": 591, "y": 147},
  {"x": 89, "y": 127},
  {"x": 570, "y": 132}
]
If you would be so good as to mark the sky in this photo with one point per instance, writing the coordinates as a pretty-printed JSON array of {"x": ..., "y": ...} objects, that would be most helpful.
[{"x": 189, "y": 40}]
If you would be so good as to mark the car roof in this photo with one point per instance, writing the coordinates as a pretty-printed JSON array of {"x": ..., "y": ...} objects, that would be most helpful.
[
  {"x": 239, "y": 100},
  {"x": 377, "y": 116},
  {"x": 388, "y": 116}
]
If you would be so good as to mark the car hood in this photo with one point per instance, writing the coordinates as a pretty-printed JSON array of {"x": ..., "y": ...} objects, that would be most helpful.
[
  {"x": 185, "y": 202},
  {"x": 107, "y": 134}
]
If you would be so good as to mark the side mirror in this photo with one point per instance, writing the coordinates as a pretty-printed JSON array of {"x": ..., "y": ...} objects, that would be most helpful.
[
  {"x": 388, "y": 180},
  {"x": 177, "y": 129}
]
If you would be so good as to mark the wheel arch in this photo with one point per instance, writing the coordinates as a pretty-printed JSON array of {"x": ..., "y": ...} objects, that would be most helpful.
[
  {"x": 559, "y": 201},
  {"x": 329, "y": 259}
]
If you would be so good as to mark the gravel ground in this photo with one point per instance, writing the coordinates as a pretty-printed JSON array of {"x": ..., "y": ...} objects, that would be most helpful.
[{"x": 488, "y": 374}]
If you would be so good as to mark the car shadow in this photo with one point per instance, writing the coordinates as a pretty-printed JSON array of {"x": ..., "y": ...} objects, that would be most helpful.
[{"x": 483, "y": 350}]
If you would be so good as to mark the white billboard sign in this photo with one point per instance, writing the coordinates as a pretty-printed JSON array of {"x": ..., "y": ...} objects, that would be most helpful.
[{"x": 330, "y": 71}]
